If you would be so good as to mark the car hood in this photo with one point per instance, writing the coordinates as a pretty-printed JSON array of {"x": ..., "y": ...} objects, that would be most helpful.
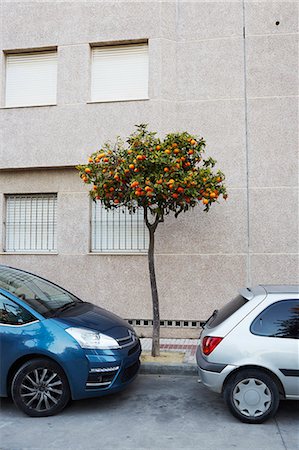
[{"x": 87, "y": 315}]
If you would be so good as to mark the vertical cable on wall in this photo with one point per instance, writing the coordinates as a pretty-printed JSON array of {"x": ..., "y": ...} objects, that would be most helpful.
[{"x": 248, "y": 274}]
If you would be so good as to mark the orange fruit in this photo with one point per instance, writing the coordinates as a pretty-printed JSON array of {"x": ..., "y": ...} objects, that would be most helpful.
[
  {"x": 174, "y": 145},
  {"x": 175, "y": 195},
  {"x": 131, "y": 166},
  {"x": 87, "y": 170},
  {"x": 205, "y": 201},
  {"x": 158, "y": 147},
  {"x": 166, "y": 169},
  {"x": 192, "y": 142}
]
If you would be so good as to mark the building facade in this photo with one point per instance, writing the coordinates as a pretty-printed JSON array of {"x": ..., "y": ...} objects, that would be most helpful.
[{"x": 76, "y": 74}]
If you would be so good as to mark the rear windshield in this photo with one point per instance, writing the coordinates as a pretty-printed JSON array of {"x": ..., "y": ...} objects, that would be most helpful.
[{"x": 224, "y": 313}]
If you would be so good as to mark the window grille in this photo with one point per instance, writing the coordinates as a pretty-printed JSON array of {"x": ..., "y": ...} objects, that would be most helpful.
[
  {"x": 117, "y": 230},
  {"x": 31, "y": 78},
  {"x": 119, "y": 72},
  {"x": 31, "y": 222}
]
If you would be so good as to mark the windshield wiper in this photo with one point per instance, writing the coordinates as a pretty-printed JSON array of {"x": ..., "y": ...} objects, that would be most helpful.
[
  {"x": 203, "y": 323},
  {"x": 64, "y": 307}
]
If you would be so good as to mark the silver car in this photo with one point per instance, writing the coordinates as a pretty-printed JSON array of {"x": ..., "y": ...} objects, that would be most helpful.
[{"x": 249, "y": 351}]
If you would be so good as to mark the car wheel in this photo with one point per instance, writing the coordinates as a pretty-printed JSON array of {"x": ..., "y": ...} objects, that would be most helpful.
[
  {"x": 40, "y": 388},
  {"x": 252, "y": 396}
]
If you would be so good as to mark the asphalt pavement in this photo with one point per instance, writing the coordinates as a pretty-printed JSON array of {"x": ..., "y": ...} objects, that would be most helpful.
[{"x": 155, "y": 412}]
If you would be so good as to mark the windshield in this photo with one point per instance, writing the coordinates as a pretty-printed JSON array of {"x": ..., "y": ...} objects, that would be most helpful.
[{"x": 45, "y": 297}]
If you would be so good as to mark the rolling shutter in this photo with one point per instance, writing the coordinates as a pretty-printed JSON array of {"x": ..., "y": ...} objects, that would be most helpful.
[
  {"x": 31, "y": 79},
  {"x": 31, "y": 222},
  {"x": 117, "y": 230},
  {"x": 119, "y": 73}
]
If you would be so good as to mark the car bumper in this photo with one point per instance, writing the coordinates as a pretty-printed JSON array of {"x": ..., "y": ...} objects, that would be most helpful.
[
  {"x": 106, "y": 371},
  {"x": 212, "y": 375}
]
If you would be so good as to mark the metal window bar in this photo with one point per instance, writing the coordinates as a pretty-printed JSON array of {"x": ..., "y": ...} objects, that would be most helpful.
[
  {"x": 117, "y": 231},
  {"x": 31, "y": 222}
]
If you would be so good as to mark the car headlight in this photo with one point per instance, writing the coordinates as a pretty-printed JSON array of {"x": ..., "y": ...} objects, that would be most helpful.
[{"x": 92, "y": 339}]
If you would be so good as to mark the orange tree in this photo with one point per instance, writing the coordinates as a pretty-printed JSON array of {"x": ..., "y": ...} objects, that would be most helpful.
[{"x": 158, "y": 175}]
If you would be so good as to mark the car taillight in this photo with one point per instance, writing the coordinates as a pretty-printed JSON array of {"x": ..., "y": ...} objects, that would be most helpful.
[{"x": 209, "y": 343}]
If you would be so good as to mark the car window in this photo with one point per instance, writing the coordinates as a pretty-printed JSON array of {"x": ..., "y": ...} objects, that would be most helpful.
[
  {"x": 278, "y": 320},
  {"x": 224, "y": 313},
  {"x": 43, "y": 296},
  {"x": 13, "y": 314}
]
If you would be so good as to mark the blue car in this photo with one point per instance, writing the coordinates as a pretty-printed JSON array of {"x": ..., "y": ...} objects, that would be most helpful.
[{"x": 54, "y": 347}]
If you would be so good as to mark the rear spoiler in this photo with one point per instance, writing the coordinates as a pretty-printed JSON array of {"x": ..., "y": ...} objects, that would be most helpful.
[
  {"x": 250, "y": 293},
  {"x": 246, "y": 293}
]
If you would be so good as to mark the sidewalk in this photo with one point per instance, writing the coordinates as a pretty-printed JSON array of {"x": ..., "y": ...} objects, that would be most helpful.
[{"x": 178, "y": 356}]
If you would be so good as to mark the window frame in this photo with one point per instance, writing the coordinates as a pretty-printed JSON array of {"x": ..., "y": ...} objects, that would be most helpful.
[
  {"x": 19, "y": 52},
  {"x": 34, "y": 319},
  {"x": 126, "y": 252},
  {"x": 273, "y": 305},
  {"x": 54, "y": 224},
  {"x": 118, "y": 44}
]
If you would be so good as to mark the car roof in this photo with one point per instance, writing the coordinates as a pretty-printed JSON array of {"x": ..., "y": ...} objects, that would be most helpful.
[
  {"x": 263, "y": 289},
  {"x": 281, "y": 288}
]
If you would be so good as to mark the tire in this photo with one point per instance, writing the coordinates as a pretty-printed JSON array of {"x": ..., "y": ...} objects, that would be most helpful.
[
  {"x": 40, "y": 388},
  {"x": 252, "y": 396}
]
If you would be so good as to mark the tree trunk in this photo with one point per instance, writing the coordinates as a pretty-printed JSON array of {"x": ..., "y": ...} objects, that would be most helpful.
[{"x": 155, "y": 299}]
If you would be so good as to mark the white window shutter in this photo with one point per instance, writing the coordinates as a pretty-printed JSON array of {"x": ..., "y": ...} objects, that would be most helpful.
[
  {"x": 31, "y": 78},
  {"x": 119, "y": 73}
]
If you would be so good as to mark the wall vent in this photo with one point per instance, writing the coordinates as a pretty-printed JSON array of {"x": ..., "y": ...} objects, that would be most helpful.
[{"x": 165, "y": 323}]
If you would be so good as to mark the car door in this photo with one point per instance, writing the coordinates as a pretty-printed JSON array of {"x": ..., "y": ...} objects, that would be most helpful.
[
  {"x": 279, "y": 324},
  {"x": 18, "y": 328}
]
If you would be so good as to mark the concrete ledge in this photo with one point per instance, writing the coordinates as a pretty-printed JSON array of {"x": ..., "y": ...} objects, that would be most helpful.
[{"x": 168, "y": 369}]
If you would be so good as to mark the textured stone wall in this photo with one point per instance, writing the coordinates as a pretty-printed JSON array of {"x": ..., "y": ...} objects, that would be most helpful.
[{"x": 226, "y": 70}]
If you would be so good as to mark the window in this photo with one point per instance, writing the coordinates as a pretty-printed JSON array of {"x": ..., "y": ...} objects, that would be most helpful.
[
  {"x": 43, "y": 296},
  {"x": 31, "y": 78},
  {"x": 117, "y": 230},
  {"x": 31, "y": 222},
  {"x": 278, "y": 320},
  {"x": 224, "y": 313},
  {"x": 13, "y": 314},
  {"x": 119, "y": 73}
]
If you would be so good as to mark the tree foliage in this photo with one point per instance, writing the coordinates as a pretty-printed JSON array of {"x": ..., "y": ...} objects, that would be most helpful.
[{"x": 162, "y": 175}]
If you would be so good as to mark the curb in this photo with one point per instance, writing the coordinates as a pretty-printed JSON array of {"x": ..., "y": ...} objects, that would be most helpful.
[{"x": 168, "y": 369}]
